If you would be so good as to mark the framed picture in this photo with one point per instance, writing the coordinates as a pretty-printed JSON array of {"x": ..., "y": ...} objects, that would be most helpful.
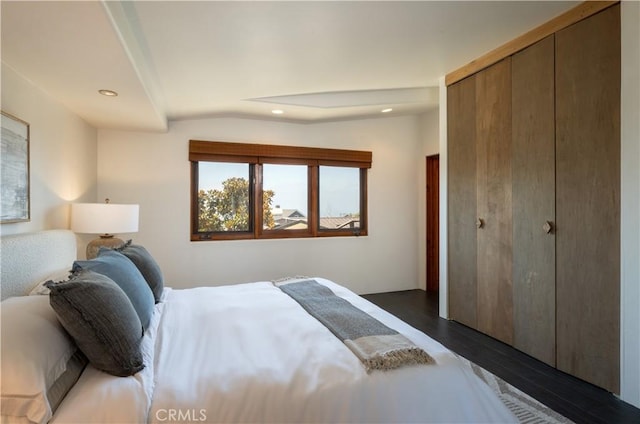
[{"x": 14, "y": 169}]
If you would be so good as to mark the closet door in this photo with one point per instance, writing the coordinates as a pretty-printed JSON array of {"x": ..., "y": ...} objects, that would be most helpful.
[
  {"x": 461, "y": 168},
  {"x": 494, "y": 215},
  {"x": 534, "y": 250},
  {"x": 588, "y": 198}
]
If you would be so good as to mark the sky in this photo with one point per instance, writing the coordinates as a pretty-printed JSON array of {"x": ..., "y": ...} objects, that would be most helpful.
[{"x": 339, "y": 186}]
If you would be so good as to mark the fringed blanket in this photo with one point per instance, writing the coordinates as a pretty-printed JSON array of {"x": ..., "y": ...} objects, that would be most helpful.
[{"x": 376, "y": 345}]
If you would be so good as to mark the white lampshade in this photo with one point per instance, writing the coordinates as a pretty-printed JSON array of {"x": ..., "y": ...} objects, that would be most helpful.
[{"x": 104, "y": 218}]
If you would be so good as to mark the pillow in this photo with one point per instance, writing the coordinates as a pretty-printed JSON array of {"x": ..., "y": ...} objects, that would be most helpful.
[
  {"x": 120, "y": 269},
  {"x": 101, "y": 319},
  {"x": 40, "y": 361},
  {"x": 147, "y": 265}
]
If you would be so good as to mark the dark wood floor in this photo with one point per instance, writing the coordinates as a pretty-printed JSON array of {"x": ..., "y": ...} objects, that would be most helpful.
[{"x": 575, "y": 399}]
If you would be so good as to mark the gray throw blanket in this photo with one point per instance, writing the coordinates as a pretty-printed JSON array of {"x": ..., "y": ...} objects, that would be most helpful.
[{"x": 376, "y": 345}]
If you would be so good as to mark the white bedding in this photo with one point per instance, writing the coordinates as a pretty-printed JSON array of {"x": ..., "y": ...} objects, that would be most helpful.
[{"x": 249, "y": 353}]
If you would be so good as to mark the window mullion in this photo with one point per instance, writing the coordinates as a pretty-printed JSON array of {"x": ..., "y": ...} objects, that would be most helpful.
[
  {"x": 257, "y": 206},
  {"x": 313, "y": 191}
]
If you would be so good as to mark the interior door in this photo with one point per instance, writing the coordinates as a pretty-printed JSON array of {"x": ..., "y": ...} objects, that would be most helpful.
[
  {"x": 494, "y": 220},
  {"x": 534, "y": 245},
  {"x": 588, "y": 198},
  {"x": 433, "y": 223},
  {"x": 461, "y": 208}
]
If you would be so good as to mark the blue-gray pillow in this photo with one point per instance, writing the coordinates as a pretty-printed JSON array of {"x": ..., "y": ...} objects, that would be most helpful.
[
  {"x": 99, "y": 316},
  {"x": 121, "y": 270},
  {"x": 147, "y": 265}
]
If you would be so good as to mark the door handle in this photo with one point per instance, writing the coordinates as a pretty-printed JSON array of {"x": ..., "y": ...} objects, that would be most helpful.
[
  {"x": 548, "y": 227},
  {"x": 480, "y": 223}
]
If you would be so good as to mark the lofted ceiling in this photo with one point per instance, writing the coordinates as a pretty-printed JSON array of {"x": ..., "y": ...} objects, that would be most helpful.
[{"x": 315, "y": 61}]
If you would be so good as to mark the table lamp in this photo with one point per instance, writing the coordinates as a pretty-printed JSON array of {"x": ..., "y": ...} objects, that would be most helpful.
[{"x": 105, "y": 219}]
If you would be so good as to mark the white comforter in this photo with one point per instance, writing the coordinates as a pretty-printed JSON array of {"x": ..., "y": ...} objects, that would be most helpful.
[{"x": 249, "y": 353}]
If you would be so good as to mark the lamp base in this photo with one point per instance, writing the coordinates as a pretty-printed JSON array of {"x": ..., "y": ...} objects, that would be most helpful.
[{"x": 105, "y": 240}]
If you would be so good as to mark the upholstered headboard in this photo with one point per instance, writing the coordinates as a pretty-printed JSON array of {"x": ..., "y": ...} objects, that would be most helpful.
[{"x": 30, "y": 258}]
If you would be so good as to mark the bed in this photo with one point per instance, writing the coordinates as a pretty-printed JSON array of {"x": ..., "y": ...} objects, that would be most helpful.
[{"x": 239, "y": 353}]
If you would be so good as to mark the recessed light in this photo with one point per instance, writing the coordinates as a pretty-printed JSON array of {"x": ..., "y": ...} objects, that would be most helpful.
[
  {"x": 108, "y": 93},
  {"x": 386, "y": 110},
  {"x": 277, "y": 111}
]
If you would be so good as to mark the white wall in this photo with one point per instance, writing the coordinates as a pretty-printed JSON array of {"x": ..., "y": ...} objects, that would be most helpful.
[
  {"x": 630, "y": 204},
  {"x": 153, "y": 170},
  {"x": 429, "y": 144},
  {"x": 63, "y": 156}
]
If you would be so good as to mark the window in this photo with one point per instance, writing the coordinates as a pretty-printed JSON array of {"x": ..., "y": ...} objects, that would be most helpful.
[
  {"x": 339, "y": 198},
  {"x": 285, "y": 197},
  {"x": 241, "y": 191},
  {"x": 223, "y": 197}
]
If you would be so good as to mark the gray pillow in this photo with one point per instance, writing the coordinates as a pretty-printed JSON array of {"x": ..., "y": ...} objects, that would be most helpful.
[
  {"x": 121, "y": 270},
  {"x": 147, "y": 265},
  {"x": 99, "y": 316}
]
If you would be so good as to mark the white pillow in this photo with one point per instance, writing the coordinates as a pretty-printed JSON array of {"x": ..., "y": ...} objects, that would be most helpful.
[
  {"x": 40, "y": 361},
  {"x": 40, "y": 289}
]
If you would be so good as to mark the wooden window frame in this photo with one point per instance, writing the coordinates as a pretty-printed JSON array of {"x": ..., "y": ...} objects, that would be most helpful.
[{"x": 258, "y": 154}]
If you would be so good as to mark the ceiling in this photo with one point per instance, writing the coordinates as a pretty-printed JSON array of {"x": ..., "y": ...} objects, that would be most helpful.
[{"x": 315, "y": 61}]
